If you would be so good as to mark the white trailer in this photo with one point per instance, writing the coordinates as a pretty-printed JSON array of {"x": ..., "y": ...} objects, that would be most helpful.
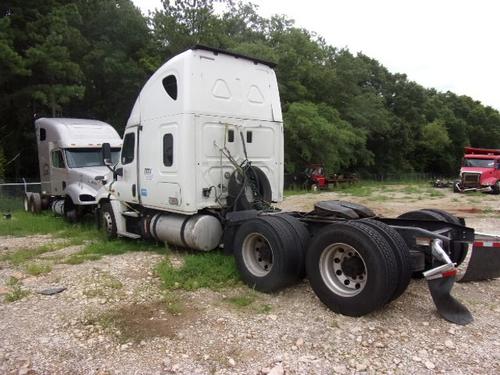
[
  {"x": 71, "y": 166},
  {"x": 201, "y": 164}
]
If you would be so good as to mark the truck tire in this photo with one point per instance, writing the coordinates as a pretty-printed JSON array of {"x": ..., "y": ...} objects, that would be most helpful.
[
  {"x": 401, "y": 252},
  {"x": 71, "y": 213},
  {"x": 496, "y": 188},
  {"x": 267, "y": 254},
  {"x": 422, "y": 215},
  {"x": 45, "y": 202},
  {"x": 301, "y": 235},
  {"x": 352, "y": 268},
  {"x": 456, "y": 184},
  {"x": 35, "y": 204},
  {"x": 26, "y": 202},
  {"x": 459, "y": 251},
  {"x": 107, "y": 220}
]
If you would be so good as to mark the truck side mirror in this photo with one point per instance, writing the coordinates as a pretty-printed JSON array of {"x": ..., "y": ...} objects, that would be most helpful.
[{"x": 106, "y": 154}]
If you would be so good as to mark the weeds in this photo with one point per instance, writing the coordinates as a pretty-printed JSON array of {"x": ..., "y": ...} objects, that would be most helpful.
[
  {"x": 16, "y": 292},
  {"x": 23, "y": 255},
  {"x": 25, "y": 223},
  {"x": 36, "y": 269},
  {"x": 208, "y": 270},
  {"x": 173, "y": 303},
  {"x": 102, "y": 285},
  {"x": 292, "y": 192},
  {"x": 248, "y": 300},
  {"x": 243, "y": 300},
  {"x": 96, "y": 250}
]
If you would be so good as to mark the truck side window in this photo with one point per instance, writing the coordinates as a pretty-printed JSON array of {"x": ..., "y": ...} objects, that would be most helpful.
[
  {"x": 43, "y": 134},
  {"x": 170, "y": 86},
  {"x": 230, "y": 135},
  {"x": 128, "y": 148},
  {"x": 168, "y": 150},
  {"x": 249, "y": 137},
  {"x": 57, "y": 159}
]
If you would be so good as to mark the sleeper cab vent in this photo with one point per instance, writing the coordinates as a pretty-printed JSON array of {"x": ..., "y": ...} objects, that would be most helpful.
[{"x": 170, "y": 86}]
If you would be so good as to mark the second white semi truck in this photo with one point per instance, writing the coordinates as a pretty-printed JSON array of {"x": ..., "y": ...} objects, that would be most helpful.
[
  {"x": 201, "y": 165},
  {"x": 71, "y": 165}
]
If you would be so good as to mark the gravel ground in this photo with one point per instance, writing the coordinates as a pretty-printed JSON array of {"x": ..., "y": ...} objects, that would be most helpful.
[{"x": 112, "y": 319}]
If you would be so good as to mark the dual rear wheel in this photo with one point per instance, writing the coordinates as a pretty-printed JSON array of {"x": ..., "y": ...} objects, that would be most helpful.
[
  {"x": 32, "y": 202},
  {"x": 353, "y": 267}
]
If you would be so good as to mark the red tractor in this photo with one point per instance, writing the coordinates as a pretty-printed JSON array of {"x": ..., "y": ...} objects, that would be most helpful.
[
  {"x": 480, "y": 171},
  {"x": 316, "y": 178}
]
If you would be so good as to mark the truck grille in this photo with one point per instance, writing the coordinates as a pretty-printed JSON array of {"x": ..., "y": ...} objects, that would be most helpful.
[{"x": 471, "y": 179}]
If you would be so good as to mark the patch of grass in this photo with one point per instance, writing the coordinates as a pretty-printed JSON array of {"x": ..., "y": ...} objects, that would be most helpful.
[
  {"x": 102, "y": 285},
  {"x": 173, "y": 303},
  {"x": 488, "y": 210},
  {"x": 291, "y": 192},
  {"x": 16, "y": 292},
  {"x": 380, "y": 198},
  {"x": 22, "y": 255},
  {"x": 436, "y": 194},
  {"x": 24, "y": 223},
  {"x": 36, "y": 269},
  {"x": 412, "y": 189},
  {"x": 96, "y": 250},
  {"x": 136, "y": 322},
  {"x": 249, "y": 301},
  {"x": 357, "y": 190},
  {"x": 242, "y": 300},
  {"x": 212, "y": 270}
]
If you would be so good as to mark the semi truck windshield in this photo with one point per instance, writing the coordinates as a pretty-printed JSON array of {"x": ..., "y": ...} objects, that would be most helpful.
[{"x": 89, "y": 157}]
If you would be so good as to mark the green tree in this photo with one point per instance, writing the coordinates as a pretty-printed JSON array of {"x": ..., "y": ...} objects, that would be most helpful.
[
  {"x": 2, "y": 164},
  {"x": 56, "y": 77},
  {"x": 317, "y": 134}
]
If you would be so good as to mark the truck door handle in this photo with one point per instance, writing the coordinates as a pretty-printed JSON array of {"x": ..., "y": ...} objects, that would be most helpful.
[{"x": 133, "y": 190}]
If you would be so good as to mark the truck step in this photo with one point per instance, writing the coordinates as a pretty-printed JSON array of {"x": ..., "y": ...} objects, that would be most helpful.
[
  {"x": 129, "y": 235},
  {"x": 130, "y": 213}
]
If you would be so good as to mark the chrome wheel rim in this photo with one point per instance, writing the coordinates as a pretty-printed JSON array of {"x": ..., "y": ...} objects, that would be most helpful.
[
  {"x": 257, "y": 254},
  {"x": 107, "y": 221},
  {"x": 343, "y": 270}
]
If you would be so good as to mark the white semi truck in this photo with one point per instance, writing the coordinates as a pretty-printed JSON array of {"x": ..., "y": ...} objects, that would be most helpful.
[
  {"x": 71, "y": 166},
  {"x": 201, "y": 165}
]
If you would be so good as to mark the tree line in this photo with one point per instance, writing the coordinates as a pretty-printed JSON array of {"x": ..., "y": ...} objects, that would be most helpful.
[{"x": 90, "y": 58}]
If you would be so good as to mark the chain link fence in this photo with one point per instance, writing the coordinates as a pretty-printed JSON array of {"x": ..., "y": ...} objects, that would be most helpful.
[{"x": 12, "y": 192}]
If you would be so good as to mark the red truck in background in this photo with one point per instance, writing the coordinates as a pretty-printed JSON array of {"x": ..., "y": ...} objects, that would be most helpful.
[
  {"x": 316, "y": 178},
  {"x": 480, "y": 171}
]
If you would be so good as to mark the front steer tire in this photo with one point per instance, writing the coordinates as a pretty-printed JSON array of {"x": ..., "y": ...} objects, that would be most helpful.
[
  {"x": 367, "y": 261},
  {"x": 267, "y": 254},
  {"x": 108, "y": 221}
]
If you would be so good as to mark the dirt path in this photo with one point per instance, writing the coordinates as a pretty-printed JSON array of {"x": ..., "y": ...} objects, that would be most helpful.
[{"x": 114, "y": 318}]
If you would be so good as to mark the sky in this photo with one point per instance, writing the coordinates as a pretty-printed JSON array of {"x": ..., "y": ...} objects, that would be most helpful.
[{"x": 445, "y": 44}]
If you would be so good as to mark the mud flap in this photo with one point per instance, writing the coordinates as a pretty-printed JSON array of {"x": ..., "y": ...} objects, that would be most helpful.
[
  {"x": 484, "y": 261},
  {"x": 440, "y": 281}
]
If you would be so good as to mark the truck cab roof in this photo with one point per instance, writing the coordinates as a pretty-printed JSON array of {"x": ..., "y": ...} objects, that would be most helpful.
[
  {"x": 208, "y": 81},
  {"x": 74, "y": 132}
]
